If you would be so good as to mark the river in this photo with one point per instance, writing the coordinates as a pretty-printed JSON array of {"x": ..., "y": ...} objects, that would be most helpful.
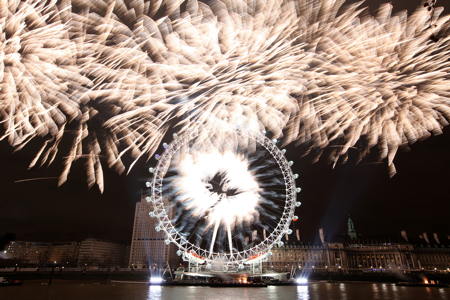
[{"x": 70, "y": 290}]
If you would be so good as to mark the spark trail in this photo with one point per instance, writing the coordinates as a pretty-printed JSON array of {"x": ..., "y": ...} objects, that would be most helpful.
[{"x": 111, "y": 77}]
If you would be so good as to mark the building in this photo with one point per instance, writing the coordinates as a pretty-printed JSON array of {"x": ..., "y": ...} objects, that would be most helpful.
[
  {"x": 390, "y": 256},
  {"x": 148, "y": 248},
  {"x": 329, "y": 256},
  {"x": 93, "y": 252},
  {"x": 432, "y": 256},
  {"x": 63, "y": 253},
  {"x": 40, "y": 253},
  {"x": 361, "y": 255},
  {"x": 89, "y": 252}
]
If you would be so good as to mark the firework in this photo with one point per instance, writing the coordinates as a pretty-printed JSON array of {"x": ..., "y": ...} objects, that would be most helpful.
[
  {"x": 40, "y": 81},
  {"x": 310, "y": 72}
]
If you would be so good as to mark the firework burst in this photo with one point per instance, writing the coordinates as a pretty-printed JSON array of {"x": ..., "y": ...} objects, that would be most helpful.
[
  {"x": 311, "y": 72},
  {"x": 40, "y": 81}
]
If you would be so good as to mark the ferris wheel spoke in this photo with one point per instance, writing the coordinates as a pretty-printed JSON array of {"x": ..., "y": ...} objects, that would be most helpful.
[
  {"x": 229, "y": 239},
  {"x": 213, "y": 240}
]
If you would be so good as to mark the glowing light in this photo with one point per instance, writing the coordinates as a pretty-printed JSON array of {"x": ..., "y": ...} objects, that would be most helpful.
[
  {"x": 156, "y": 280},
  {"x": 242, "y": 279},
  {"x": 301, "y": 280}
]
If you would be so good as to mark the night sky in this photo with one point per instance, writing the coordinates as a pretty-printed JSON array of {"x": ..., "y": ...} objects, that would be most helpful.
[{"x": 416, "y": 199}]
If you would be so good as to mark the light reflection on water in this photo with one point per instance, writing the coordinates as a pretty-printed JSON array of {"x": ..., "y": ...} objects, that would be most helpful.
[
  {"x": 154, "y": 292},
  {"x": 313, "y": 291},
  {"x": 200, "y": 293},
  {"x": 343, "y": 291},
  {"x": 68, "y": 290},
  {"x": 302, "y": 292}
]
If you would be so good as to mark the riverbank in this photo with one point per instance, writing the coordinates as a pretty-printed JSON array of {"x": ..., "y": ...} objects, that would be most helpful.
[{"x": 140, "y": 276}]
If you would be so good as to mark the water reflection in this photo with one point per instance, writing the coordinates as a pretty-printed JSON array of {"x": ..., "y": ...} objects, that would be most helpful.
[
  {"x": 125, "y": 291},
  {"x": 302, "y": 292},
  {"x": 199, "y": 292},
  {"x": 154, "y": 292},
  {"x": 343, "y": 291},
  {"x": 443, "y": 292}
]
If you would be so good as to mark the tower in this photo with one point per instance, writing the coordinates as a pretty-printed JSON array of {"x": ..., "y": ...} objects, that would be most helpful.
[
  {"x": 148, "y": 249},
  {"x": 351, "y": 231}
]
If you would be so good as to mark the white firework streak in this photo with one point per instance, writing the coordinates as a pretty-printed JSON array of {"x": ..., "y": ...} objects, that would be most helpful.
[
  {"x": 310, "y": 72},
  {"x": 38, "y": 74}
]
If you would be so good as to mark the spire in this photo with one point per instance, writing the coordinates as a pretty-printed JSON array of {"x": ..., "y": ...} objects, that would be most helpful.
[{"x": 351, "y": 231}]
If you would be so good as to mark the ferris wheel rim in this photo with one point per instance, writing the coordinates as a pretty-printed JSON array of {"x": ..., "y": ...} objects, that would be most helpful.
[{"x": 238, "y": 257}]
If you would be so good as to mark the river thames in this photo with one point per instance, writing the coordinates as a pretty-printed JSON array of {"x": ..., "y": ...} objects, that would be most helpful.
[{"x": 69, "y": 290}]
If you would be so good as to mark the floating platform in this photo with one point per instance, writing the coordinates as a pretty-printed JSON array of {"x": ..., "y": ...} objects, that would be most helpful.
[
  {"x": 423, "y": 284},
  {"x": 214, "y": 284},
  {"x": 226, "y": 284}
]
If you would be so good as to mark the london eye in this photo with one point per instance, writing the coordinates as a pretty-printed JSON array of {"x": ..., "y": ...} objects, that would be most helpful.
[{"x": 224, "y": 197}]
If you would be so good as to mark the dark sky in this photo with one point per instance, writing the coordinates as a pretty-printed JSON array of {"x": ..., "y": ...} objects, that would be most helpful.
[{"x": 416, "y": 199}]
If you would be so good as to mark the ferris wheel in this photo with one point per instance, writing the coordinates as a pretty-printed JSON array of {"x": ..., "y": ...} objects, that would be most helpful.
[{"x": 227, "y": 199}]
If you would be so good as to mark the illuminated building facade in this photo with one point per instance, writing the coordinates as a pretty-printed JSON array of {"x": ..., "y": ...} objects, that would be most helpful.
[
  {"x": 435, "y": 257},
  {"x": 40, "y": 253},
  {"x": 307, "y": 256},
  {"x": 380, "y": 256},
  {"x": 93, "y": 252},
  {"x": 354, "y": 256},
  {"x": 89, "y": 252},
  {"x": 148, "y": 249}
]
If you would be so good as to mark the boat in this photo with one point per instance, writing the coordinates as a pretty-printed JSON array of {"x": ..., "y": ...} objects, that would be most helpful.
[{"x": 7, "y": 282}]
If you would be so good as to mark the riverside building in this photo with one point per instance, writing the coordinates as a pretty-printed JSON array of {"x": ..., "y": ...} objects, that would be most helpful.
[
  {"x": 148, "y": 249},
  {"x": 93, "y": 252}
]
